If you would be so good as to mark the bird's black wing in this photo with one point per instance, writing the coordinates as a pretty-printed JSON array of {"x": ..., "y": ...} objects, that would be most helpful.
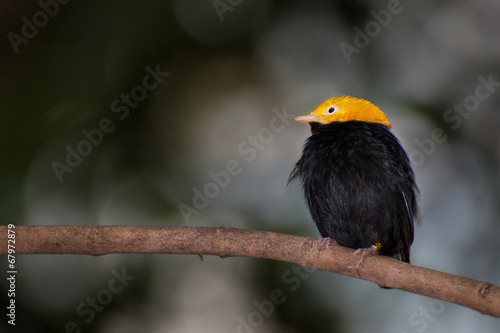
[{"x": 407, "y": 205}]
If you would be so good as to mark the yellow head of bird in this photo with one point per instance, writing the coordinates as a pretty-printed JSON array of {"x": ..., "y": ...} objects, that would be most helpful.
[{"x": 345, "y": 108}]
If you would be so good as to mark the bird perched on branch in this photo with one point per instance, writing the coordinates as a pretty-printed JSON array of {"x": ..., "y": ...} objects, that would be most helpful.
[{"x": 357, "y": 179}]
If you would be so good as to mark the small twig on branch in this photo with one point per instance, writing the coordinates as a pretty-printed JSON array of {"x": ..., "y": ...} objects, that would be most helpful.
[{"x": 229, "y": 242}]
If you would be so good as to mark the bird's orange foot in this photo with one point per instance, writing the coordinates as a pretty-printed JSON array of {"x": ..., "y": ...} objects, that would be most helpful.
[{"x": 372, "y": 250}]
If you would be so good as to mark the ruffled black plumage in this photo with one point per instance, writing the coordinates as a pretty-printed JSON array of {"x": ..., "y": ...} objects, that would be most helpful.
[{"x": 359, "y": 186}]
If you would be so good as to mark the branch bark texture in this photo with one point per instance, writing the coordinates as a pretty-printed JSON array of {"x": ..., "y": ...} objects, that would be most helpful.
[{"x": 229, "y": 242}]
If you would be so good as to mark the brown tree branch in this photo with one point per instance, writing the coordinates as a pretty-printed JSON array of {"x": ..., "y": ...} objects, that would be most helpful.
[{"x": 228, "y": 242}]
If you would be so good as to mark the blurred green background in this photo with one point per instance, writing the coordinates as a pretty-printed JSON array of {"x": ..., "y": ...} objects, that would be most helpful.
[{"x": 69, "y": 71}]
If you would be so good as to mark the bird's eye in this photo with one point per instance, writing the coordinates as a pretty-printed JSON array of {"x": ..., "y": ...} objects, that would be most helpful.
[{"x": 330, "y": 110}]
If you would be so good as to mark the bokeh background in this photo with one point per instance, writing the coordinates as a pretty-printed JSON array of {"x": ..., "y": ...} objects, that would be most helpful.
[{"x": 233, "y": 66}]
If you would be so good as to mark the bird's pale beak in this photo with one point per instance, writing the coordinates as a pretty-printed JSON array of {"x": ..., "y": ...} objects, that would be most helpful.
[{"x": 308, "y": 118}]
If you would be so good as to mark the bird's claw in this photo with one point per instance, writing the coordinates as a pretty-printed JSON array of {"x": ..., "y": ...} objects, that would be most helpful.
[
  {"x": 325, "y": 242},
  {"x": 372, "y": 250}
]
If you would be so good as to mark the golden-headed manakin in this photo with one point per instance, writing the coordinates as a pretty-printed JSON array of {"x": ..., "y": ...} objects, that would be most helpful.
[{"x": 357, "y": 179}]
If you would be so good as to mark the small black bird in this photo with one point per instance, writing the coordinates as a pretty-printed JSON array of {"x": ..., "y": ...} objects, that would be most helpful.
[{"x": 357, "y": 179}]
